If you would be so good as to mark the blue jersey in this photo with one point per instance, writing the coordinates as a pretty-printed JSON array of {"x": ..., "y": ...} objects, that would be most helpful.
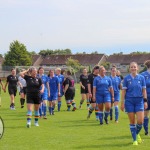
[
  {"x": 53, "y": 84},
  {"x": 102, "y": 84},
  {"x": 44, "y": 79},
  {"x": 146, "y": 75},
  {"x": 61, "y": 80},
  {"x": 116, "y": 81},
  {"x": 134, "y": 86}
]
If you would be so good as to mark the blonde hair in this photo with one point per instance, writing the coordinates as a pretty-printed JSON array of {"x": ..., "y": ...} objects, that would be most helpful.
[
  {"x": 147, "y": 63},
  {"x": 59, "y": 69}
]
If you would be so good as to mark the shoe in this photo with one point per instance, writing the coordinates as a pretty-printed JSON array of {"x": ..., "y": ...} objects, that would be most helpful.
[
  {"x": 29, "y": 125},
  {"x": 146, "y": 133},
  {"x": 12, "y": 108},
  {"x": 97, "y": 118},
  {"x": 111, "y": 118},
  {"x": 53, "y": 113},
  {"x": 80, "y": 107},
  {"x": 36, "y": 124},
  {"x": 88, "y": 116},
  {"x": 74, "y": 109},
  {"x": 139, "y": 140},
  {"x": 101, "y": 123},
  {"x": 106, "y": 121},
  {"x": 135, "y": 143},
  {"x": 22, "y": 106},
  {"x": 44, "y": 117},
  {"x": 116, "y": 121}
]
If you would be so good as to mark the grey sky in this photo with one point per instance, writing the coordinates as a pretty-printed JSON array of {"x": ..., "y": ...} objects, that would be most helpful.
[{"x": 107, "y": 26}]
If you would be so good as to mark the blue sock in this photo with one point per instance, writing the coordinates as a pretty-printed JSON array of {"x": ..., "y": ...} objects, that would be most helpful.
[
  {"x": 40, "y": 110},
  {"x": 116, "y": 113},
  {"x": 36, "y": 115},
  {"x": 106, "y": 114},
  {"x": 101, "y": 116},
  {"x": 138, "y": 128},
  {"x": 50, "y": 110},
  {"x": 44, "y": 109},
  {"x": 96, "y": 112},
  {"x": 111, "y": 112},
  {"x": 29, "y": 116},
  {"x": 146, "y": 121},
  {"x": 59, "y": 105},
  {"x": 133, "y": 131}
]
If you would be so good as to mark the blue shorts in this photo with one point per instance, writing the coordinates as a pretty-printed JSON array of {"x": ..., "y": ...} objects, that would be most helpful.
[
  {"x": 44, "y": 96},
  {"x": 134, "y": 105},
  {"x": 53, "y": 97},
  {"x": 116, "y": 97},
  {"x": 148, "y": 102},
  {"x": 103, "y": 98}
]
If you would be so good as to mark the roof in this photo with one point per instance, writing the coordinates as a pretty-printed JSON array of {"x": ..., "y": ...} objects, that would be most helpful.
[
  {"x": 84, "y": 59},
  {"x": 34, "y": 58},
  {"x": 128, "y": 58}
]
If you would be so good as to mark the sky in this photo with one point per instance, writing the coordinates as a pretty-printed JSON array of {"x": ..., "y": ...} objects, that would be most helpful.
[{"x": 106, "y": 26}]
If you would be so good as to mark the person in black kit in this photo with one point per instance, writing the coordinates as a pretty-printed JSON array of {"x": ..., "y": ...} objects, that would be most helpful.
[
  {"x": 69, "y": 91},
  {"x": 84, "y": 87},
  {"x": 12, "y": 81},
  {"x": 33, "y": 94},
  {"x": 92, "y": 106}
]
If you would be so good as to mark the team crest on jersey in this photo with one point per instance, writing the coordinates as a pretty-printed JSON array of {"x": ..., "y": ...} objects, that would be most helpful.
[
  {"x": 139, "y": 82},
  {"x": 36, "y": 79}
]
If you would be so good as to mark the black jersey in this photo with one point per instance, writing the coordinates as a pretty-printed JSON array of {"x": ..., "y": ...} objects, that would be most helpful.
[
  {"x": 84, "y": 80},
  {"x": 33, "y": 84},
  {"x": 91, "y": 79},
  {"x": 12, "y": 80}
]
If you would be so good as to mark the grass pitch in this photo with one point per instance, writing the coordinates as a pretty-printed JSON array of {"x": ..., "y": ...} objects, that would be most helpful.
[{"x": 65, "y": 130}]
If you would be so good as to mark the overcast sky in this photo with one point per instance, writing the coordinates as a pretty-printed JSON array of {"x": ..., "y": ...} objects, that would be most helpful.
[{"x": 106, "y": 26}]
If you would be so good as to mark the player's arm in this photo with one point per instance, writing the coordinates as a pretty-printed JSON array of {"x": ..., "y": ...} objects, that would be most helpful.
[
  {"x": 123, "y": 99},
  {"x": 48, "y": 88},
  {"x": 24, "y": 72},
  {"x": 144, "y": 93},
  {"x": 42, "y": 89},
  {"x": 58, "y": 88},
  {"x": 7, "y": 81},
  {"x": 112, "y": 93},
  {"x": 94, "y": 92}
]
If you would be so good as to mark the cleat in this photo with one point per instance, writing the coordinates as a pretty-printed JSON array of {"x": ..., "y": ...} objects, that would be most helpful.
[
  {"x": 101, "y": 123},
  {"x": 22, "y": 106},
  {"x": 106, "y": 121},
  {"x": 29, "y": 125},
  {"x": 146, "y": 133},
  {"x": 53, "y": 113},
  {"x": 116, "y": 121},
  {"x": 111, "y": 118},
  {"x": 74, "y": 109},
  {"x": 36, "y": 124},
  {"x": 135, "y": 143},
  {"x": 139, "y": 140},
  {"x": 12, "y": 108},
  {"x": 97, "y": 118},
  {"x": 80, "y": 107},
  {"x": 88, "y": 117},
  {"x": 44, "y": 117}
]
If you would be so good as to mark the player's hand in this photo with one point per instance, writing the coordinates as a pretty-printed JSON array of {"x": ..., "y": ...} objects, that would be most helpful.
[
  {"x": 4, "y": 90},
  {"x": 90, "y": 95},
  {"x": 145, "y": 105},
  {"x": 112, "y": 99},
  {"x": 41, "y": 91},
  {"x": 94, "y": 99},
  {"x": 83, "y": 87},
  {"x": 58, "y": 93},
  {"x": 48, "y": 94},
  {"x": 122, "y": 106}
]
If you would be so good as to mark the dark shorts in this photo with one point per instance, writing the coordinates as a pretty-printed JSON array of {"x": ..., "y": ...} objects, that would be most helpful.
[
  {"x": 23, "y": 90},
  {"x": 12, "y": 91},
  {"x": 84, "y": 91},
  {"x": 33, "y": 99},
  {"x": 70, "y": 94}
]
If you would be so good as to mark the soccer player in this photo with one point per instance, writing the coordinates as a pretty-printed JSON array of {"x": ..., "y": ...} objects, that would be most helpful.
[
  {"x": 22, "y": 89},
  {"x": 34, "y": 91},
  {"x": 84, "y": 88},
  {"x": 102, "y": 94},
  {"x": 93, "y": 105},
  {"x": 0, "y": 89},
  {"x": 12, "y": 81},
  {"x": 146, "y": 75},
  {"x": 61, "y": 80},
  {"x": 54, "y": 91},
  {"x": 69, "y": 91},
  {"x": 116, "y": 83},
  {"x": 44, "y": 95},
  {"x": 134, "y": 100}
]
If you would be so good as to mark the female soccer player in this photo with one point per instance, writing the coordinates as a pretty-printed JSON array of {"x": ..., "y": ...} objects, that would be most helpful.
[
  {"x": 0, "y": 89},
  {"x": 93, "y": 105},
  {"x": 69, "y": 91},
  {"x": 134, "y": 100},
  {"x": 54, "y": 91},
  {"x": 84, "y": 88},
  {"x": 44, "y": 95},
  {"x": 146, "y": 75},
  {"x": 116, "y": 83},
  {"x": 12, "y": 81},
  {"x": 61, "y": 80},
  {"x": 102, "y": 94},
  {"x": 34, "y": 91},
  {"x": 22, "y": 89}
]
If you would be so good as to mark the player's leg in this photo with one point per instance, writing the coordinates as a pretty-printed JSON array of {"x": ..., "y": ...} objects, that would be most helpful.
[
  {"x": 36, "y": 114},
  {"x": 107, "y": 111},
  {"x": 116, "y": 111},
  {"x": 83, "y": 96},
  {"x": 29, "y": 113},
  {"x": 87, "y": 100},
  {"x": 73, "y": 101}
]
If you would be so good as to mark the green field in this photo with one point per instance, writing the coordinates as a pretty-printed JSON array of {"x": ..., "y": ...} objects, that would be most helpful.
[{"x": 65, "y": 130}]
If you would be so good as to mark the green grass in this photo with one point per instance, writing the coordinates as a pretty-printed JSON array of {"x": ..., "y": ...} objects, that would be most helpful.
[{"x": 65, "y": 131}]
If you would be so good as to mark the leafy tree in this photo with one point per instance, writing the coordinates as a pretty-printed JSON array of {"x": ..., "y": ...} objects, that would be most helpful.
[
  {"x": 106, "y": 65},
  {"x": 73, "y": 64},
  {"x": 32, "y": 53},
  {"x": 138, "y": 52},
  {"x": 1, "y": 55},
  {"x": 17, "y": 55},
  {"x": 96, "y": 52}
]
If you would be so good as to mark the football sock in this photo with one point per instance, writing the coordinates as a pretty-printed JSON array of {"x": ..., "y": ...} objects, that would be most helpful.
[{"x": 133, "y": 131}]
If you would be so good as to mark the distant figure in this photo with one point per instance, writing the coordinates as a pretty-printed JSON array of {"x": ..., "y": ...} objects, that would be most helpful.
[
  {"x": 118, "y": 73},
  {"x": 0, "y": 90}
]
